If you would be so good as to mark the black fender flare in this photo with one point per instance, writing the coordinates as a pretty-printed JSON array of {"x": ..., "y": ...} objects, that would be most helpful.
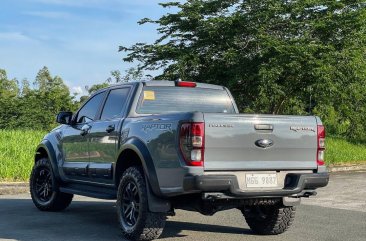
[
  {"x": 156, "y": 201},
  {"x": 141, "y": 150},
  {"x": 47, "y": 146}
]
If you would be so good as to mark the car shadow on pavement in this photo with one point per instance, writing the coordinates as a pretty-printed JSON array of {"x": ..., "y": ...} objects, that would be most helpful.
[
  {"x": 175, "y": 228},
  {"x": 83, "y": 220}
]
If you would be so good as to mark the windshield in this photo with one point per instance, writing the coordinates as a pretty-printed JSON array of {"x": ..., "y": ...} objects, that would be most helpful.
[{"x": 164, "y": 99}]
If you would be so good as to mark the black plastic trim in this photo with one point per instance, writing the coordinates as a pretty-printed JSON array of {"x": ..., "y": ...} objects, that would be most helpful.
[
  {"x": 157, "y": 204},
  {"x": 141, "y": 150},
  {"x": 100, "y": 170},
  {"x": 46, "y": 144},
  {"x": 295, "y": 183},
  {"x": 90, "y": 191},
  {"x": 75, "y": 169}
]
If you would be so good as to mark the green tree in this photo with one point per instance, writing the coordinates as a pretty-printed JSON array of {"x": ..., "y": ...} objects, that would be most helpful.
[
  {"x": 96, "y": 87},
  {"x": 8, "y": 88},
  {"x": 9, "y": 103},
  {"x": 23, "y": 107},
  {"x": 269, "y": 53},
  {"x": 134, "y": 74},
  {"x": 131, "y": 74},
  {"x": 50, "y": 96}
]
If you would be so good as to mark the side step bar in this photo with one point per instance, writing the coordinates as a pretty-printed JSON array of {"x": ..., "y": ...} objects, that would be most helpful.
[{"x": 90, "y": 191}]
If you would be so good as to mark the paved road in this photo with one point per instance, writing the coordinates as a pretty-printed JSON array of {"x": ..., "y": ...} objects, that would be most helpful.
[{"x": 333, "y": 216}]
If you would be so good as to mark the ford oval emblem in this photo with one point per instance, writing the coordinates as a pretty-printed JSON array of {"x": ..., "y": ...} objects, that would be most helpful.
[{"x": 264, "y": 143}]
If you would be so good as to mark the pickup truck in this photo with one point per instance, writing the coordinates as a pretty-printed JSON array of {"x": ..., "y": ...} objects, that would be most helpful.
[{"x": 157, "y": 146}]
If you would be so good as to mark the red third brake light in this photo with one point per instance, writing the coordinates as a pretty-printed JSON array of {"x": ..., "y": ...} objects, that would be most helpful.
[
  {"x": 185, "y": 84},
  {"x": 321, "y": 145},
  {"x": 192, "y": 143}
]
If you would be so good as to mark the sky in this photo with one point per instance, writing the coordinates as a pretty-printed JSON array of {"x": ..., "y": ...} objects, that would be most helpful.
[{"x": 77, "y": 40}]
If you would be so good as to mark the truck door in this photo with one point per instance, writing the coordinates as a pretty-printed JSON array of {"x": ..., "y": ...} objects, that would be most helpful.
[
  {"x": 75, "y": 144},
  {"x": 104, "y": 135}
]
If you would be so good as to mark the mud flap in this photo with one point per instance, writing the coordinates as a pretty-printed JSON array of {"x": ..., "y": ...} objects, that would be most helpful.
[{"x": 156, "y": 204}]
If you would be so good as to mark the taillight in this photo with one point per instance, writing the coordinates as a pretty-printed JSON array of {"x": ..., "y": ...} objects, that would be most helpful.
[
  {"x": 192, "y": 143},
  {"x": 321, "y": 145}
]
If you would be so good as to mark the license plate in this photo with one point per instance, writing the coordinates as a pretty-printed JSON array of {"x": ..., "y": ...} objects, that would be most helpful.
[{"x": 261, "y": 180}]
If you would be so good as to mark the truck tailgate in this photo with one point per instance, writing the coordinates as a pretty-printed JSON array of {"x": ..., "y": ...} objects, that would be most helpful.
[{"x": 260, "y": 142}]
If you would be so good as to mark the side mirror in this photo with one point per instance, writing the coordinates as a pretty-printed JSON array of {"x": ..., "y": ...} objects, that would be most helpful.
[{"x": 64, "y": 117}]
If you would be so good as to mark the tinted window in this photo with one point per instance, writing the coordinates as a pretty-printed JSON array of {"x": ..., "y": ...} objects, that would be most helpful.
[
  {"x": 90, "y": 109},
  {"x": 163, "y": 99},
  {"x": 115, "y": 102}
]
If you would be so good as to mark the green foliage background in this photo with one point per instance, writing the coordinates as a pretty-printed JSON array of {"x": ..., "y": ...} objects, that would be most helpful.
[
  {"x": 26, "y": 107},
  {"x": 273, "y": 55},
  {"x": 277, "y": 57}
]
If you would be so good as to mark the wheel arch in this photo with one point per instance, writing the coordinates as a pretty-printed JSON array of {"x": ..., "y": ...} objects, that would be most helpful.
[
  {"x": 45, "y": 150},
  {"x": 129, "y": 152}
]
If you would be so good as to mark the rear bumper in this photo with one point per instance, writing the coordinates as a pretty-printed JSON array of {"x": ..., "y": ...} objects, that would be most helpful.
[{"x": 296, "y": 184}]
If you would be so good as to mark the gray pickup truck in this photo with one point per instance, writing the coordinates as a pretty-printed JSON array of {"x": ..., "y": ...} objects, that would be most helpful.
[{"x": 157, "y": 146}]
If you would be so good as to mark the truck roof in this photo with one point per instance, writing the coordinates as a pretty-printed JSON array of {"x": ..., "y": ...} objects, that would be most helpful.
[
  {"x": 172, "y": 83},
  {"x": 165, "y": 83}
]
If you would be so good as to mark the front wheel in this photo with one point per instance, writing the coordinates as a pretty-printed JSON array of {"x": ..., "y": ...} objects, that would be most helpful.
[
  {"x": 43, "y": 188},
  {"x": 269, "y": 219},
  {"x": 136, "y": 221}
]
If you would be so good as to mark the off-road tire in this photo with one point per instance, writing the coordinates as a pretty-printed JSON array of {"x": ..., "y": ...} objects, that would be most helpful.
[
  {"x": 148, "y": 225},
  {"x": 56, "y": 200},
  {"x": 269, "y": 219}
]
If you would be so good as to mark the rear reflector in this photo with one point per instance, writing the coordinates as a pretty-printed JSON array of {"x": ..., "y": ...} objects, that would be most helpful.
[
  {"x": 196, "y": 155},
  {"x": 321, "y": 145},
  {"x": 185, "y": 84}
]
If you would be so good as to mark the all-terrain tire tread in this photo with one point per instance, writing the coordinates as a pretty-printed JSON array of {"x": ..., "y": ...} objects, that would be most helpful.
[
  {"x": 154, "y": 223},
  {"x": 60, "y": 200},
  {"x": 280, "y": 219}
]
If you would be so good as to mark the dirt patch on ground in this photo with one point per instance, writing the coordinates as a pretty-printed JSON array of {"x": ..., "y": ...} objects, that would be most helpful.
[
  {"x": 8, "y": 188},
  {"x": 347, "y": 168}
]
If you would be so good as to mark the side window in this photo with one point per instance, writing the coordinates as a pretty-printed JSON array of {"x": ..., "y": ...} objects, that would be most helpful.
[
  {"x": 115, "y": 103},
  {"x": 90, "y": 109}
]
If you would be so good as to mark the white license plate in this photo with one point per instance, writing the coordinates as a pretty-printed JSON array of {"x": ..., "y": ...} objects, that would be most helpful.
[{"x": 261, "y": 180}]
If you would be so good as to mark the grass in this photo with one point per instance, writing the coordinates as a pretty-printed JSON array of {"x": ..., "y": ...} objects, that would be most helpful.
[
  {"x": 340, "y": 151},
  {"x": 17, "y": 149}
]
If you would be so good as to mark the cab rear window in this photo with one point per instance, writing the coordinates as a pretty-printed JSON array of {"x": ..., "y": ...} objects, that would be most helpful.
[{"x": 167, "y": 99}]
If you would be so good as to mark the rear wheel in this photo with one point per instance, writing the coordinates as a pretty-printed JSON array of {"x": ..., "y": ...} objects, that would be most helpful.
[
  {"x": 269, "y": 219},
  {"x": 136, "y": 221},
  {"x": 43, "y": 188}
]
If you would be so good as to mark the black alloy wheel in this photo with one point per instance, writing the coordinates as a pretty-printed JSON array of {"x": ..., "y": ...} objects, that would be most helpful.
[
  {"x": 43, "y": 184},
  {"x": 44, "y": 188},
  {"x": 130, "y": 204}
]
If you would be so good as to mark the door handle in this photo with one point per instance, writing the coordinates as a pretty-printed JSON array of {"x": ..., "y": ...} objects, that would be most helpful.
[
  {"x": 85, "y": 130},
  {"x": 110, "y": 128}
]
